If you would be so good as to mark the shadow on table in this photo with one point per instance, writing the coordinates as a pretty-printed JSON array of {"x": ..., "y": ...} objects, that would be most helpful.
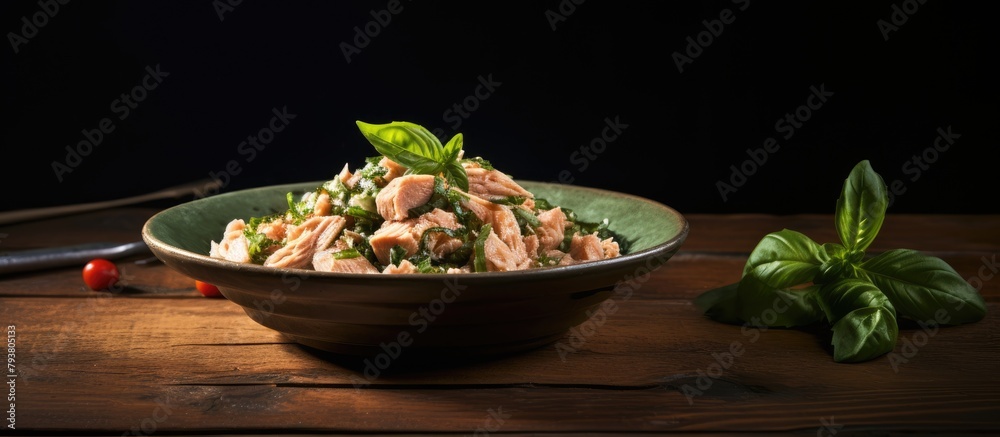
[{"x": 407, "y": 362}]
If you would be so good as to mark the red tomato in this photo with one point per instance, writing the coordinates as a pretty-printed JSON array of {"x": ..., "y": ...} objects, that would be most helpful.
[
  {"x": 206, "y": 289},
  {"x": 100, "y": 274}
]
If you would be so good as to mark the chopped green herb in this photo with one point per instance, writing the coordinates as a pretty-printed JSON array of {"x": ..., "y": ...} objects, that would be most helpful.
[
  {"x": 482, "y": 162},
  {"x": 526, "y": 220},
  {"x": 509, "y": 200},
  {"x": 480, "y": 262},
  {"x": 347, "y": 253},
  {"x": 397, "y": 254}
]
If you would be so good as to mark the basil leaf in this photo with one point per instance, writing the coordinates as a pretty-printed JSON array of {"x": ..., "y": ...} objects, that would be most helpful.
[
  {"x": 839, "y": 298},
  {"x": 453, "y": 148},
  {"x": 417, "y": 149},
  {"x": 761, "y": 305},
  {"x": 784, "y": 259},
  {"x": 864, "y": 334},
  {"x": 456, "y": 175},
  {"x": 408, "y": 144},
  {"x": 861, "y": 207},
  {"x": 834, "y": 250},
  {"x": 920, "y": 286}
]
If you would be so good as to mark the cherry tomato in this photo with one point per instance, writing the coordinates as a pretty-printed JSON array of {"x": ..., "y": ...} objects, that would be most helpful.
[
  {"x": 206, "y": 289},
  {"x": 100, "y": 274}
]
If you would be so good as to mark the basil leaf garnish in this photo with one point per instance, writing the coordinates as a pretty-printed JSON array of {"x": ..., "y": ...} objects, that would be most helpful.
[{"x": 417, "y": 149}]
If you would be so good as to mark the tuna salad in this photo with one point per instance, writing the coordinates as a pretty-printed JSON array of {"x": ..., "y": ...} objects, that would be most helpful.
[{"x": 417, "y": 207}]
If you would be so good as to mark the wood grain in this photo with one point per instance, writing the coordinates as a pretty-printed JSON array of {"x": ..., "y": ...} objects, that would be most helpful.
[{"x": 161, "y": 358}]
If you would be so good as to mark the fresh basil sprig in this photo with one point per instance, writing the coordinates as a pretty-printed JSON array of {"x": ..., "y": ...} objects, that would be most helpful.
[
  {"x": 790, "y": 281},
  {"x": 416, "y": 148}
]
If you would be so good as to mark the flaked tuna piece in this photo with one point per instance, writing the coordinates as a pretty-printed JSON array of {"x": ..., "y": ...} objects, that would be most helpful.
[
  {"x": 404, "y": 267},
  {"x": 611, "y": 248},
  {"x": 391, "y": 234},
  {"x": 329, "y": 229},
  {"x": 556, "y": 257},
  {"x": 407, "y": 233},
  {"x": 322, "y": 205},
  {"x": 347, "y": 178},
  {"x": 482, "y": 208},
  {"x": 402, "y": 194},
  {"x": 234, "y": 245},
  {"x": 493, "y": 184},
  {"x": 531, "y": 246},
  {"x": 326, "y": 261},
  {"x": 347, "y": 240},
  {"x": 470, "y": 164},
  {"x": 586, "y": 247},
  {"x": 345, "y": 174},
  {"x": 505, "y": 226},
  {"x": 440, "y": 244},
  {"x": 459, "y": 270},
  {"x": 552, "y": 230},
  {"x": 274, "y": 229},
  {"x": 499, "y": 256},
  {"x": 567, "y": 260},
  {"x": 395, "y": 170},
  {"x": 304, "y": 240}
]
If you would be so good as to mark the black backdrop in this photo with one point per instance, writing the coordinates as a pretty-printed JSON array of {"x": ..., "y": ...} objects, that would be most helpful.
[{"x": 558, "y": 73}]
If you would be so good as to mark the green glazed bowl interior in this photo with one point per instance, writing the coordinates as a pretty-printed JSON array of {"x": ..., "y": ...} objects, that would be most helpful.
[{"x": 438, "y": 314}]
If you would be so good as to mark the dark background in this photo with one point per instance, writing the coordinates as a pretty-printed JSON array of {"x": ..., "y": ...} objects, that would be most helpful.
[{"x": 607, "y": 59}]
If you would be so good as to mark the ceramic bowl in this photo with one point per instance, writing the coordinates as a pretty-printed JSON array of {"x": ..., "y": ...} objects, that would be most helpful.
[{"x": 474, "y": 314}]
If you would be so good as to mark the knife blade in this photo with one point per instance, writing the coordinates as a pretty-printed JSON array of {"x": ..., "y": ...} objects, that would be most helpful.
[{"x": 80, "y": 254}]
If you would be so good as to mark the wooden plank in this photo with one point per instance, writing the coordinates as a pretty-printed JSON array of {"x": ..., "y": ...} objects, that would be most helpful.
[
  {"x": 262, "y": 409},
  {"x": 120, "y": 225},
  {"x": 638, "y": 371},
  {"x": 169, "y": 338}
]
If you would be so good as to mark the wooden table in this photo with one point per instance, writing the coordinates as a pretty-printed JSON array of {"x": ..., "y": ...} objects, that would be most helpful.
[{"x": 160, "y": 358}]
